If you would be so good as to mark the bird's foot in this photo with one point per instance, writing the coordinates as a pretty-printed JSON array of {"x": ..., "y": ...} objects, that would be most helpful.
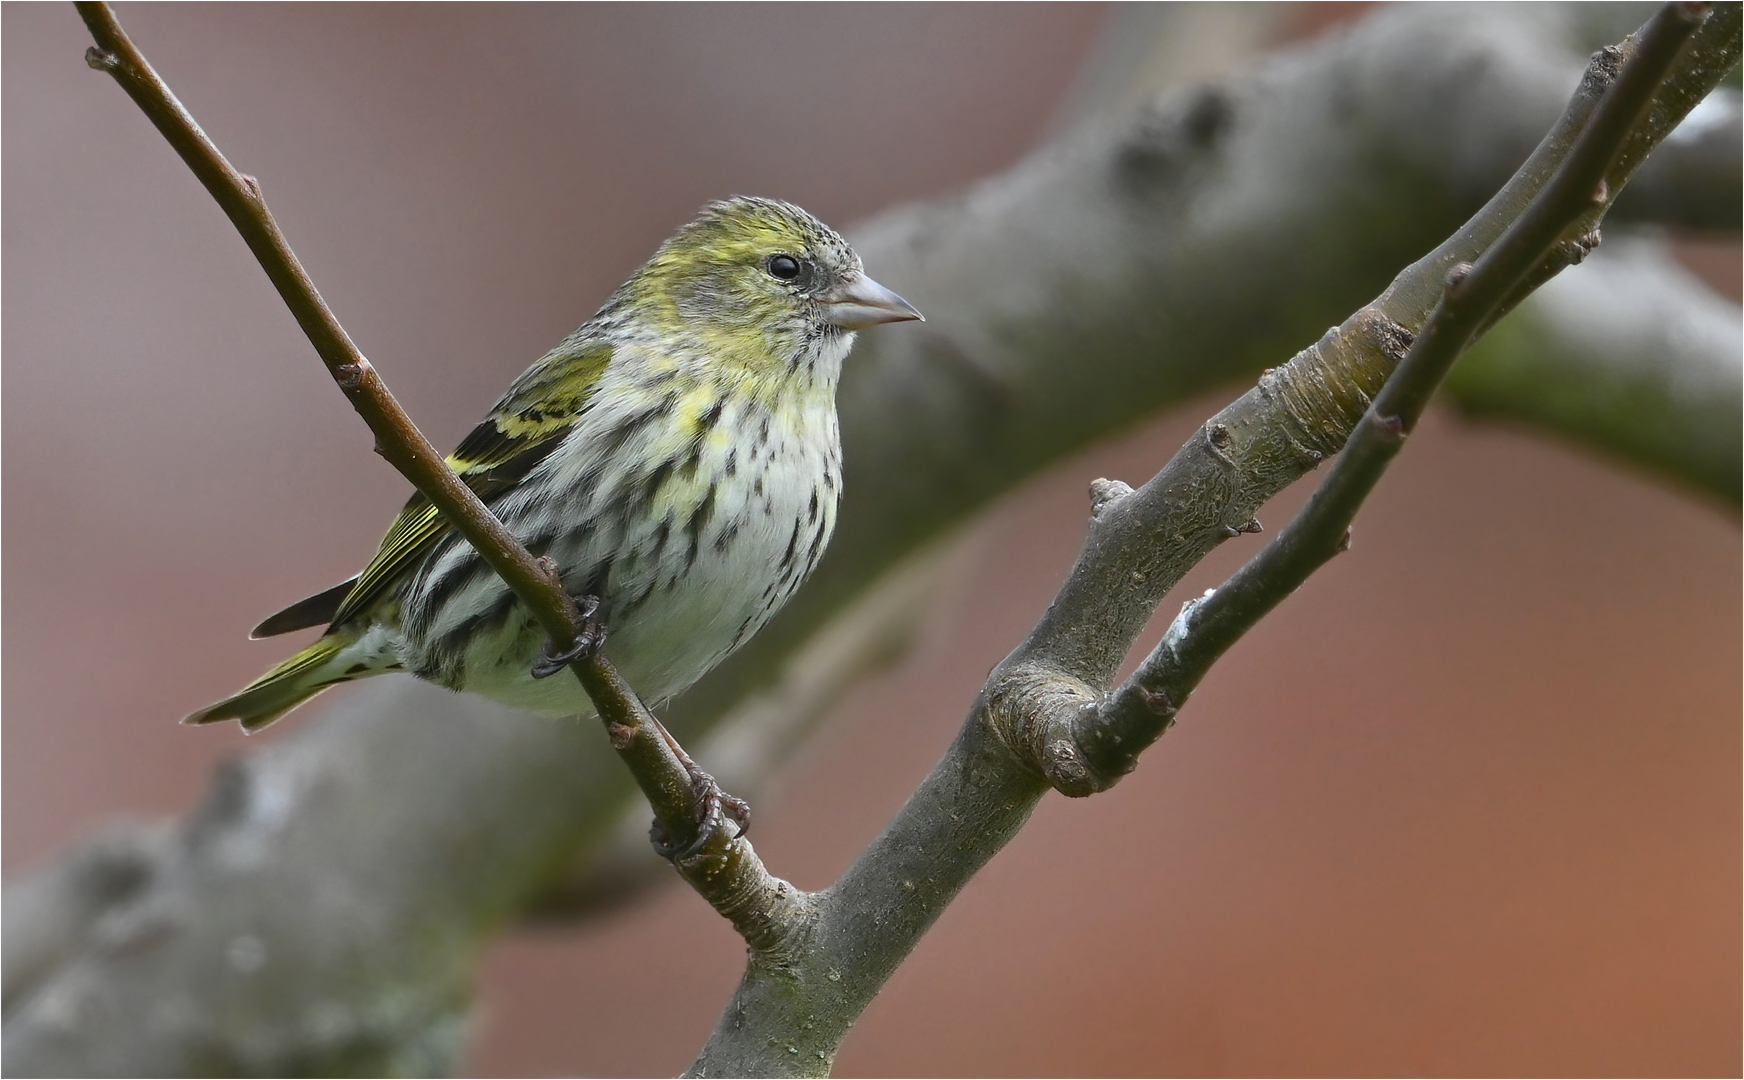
[
  {"x": 713, "y": 808},
  {"x": 588, "y": 640}
]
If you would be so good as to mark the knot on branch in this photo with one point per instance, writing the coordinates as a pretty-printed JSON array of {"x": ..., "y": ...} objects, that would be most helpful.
[
  {"x": 1105, "y": 493},
  {"x": 1602, "y": 71},
  {"x": 1390, "y": 429},
  {"x": 1036, "y": 713},
  {"x": 1575, "y": 249},
  {"x": 1454, "y": 285},
  {"x": 350, "y": 376}
]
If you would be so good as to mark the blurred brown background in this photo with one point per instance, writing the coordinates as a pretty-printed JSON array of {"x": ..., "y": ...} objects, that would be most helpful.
[{"x": 1467, "y": 804}]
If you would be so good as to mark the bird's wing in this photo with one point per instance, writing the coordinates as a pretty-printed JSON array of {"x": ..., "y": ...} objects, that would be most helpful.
[{"x": 526, "y": 425}]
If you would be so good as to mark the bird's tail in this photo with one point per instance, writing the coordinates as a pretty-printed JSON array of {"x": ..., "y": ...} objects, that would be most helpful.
[{"x": 293, "y": 682}]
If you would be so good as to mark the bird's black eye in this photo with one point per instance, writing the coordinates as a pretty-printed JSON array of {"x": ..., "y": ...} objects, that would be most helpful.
[{"x": 785, "y": 267}]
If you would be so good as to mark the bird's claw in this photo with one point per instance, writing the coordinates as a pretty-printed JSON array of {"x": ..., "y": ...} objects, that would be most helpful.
[
  {"x": 713, "y": 808},
  {"x": 588, "y": 640}
]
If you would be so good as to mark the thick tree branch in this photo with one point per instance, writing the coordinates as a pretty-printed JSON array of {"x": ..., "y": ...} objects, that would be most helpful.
[
  {"x": 1564, "y": 211},
  {"x": 1038, "y": 720},
  {"x": 1141, "y": 261},
  {"x": 1146, "y": 260}
]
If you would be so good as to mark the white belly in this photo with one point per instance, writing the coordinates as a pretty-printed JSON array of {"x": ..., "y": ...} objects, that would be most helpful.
[{"x": 691, "y": 575}]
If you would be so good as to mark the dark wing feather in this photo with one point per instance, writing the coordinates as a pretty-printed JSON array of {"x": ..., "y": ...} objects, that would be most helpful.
[{"x": 526, "y": 425}]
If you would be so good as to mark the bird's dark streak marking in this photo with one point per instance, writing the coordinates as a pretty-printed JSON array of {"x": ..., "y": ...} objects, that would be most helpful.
[
  {"x": 442, "y": 670},
  {"x": 817, "y": 549},
  {"x": 356, "y": 669},
  {"x": 724, "y": 537},
  {"x": 651, "y": 486},
  {"x": 792, "y": 546},
  {"x": 499, "y": 478},
  {"x": 422, "y": 603},
  {"x": 629, "y": 605},
  {"x": 710, "y": 417},
  {"x": 614, "y": 439},
  {"x": 574, "y": 538},
  {"x": 811, "y": 515},
  {"x": 450, "y": 648},
  {"x": 732, "y": 462},
  {"x": 699, "y": 520},
  {"x": 597, "y": 581},
  {"x": 692, "y": 459},
  {"x": 744, "y": 630},
  {"x": 661, "y": 532}
]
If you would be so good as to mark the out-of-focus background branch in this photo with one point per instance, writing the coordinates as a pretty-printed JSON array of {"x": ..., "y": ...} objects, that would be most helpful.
[{"x": 1536, "y": 768}]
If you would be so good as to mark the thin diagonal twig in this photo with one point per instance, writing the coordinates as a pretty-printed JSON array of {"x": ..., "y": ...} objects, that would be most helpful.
[
  {"x": 659, "y": 770},
  {"x": 1206, "y": 628}
]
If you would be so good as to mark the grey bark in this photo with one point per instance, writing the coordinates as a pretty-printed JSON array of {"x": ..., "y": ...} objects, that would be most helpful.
[
  {"x": 323, "y": 910},
  {"x": 1045, "y": 717}
]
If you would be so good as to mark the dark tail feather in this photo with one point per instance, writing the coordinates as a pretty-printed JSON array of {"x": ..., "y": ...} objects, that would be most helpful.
[{"x": 317, "y": 610}]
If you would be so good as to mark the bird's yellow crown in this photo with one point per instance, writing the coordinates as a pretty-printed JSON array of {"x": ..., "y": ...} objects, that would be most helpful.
[{"x": 745, "y": 279}]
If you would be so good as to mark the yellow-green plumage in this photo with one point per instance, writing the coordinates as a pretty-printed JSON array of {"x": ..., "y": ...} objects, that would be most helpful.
[{"x": 676, "y": 456}]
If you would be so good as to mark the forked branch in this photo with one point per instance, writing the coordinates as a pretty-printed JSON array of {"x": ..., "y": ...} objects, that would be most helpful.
[{"x": 1044, "y": 717}]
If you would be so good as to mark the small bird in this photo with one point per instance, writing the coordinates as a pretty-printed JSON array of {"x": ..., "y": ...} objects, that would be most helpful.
[{"x": 677, "y": 457}]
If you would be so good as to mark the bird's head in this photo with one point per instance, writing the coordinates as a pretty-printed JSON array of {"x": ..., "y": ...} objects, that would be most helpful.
[{"x": 762, "y": 283}]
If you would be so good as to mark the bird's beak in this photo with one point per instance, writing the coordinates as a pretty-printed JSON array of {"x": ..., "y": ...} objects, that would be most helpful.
[{"x": 860, "y": 302}]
